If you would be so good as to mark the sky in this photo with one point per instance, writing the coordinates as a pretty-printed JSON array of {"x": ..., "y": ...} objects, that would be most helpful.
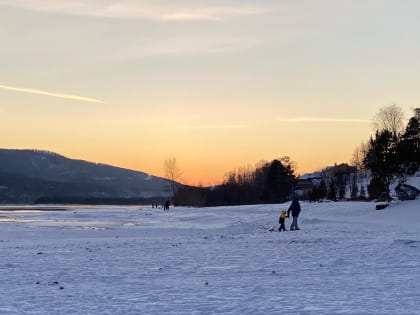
[{"x": 215, "y": 84}]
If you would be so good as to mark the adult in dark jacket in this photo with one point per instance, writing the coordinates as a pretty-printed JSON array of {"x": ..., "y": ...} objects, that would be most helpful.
[{"x": 295, "y": 210}]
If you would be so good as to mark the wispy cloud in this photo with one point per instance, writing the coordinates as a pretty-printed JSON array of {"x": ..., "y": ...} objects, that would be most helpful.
[
  {"x": 140, "y": 9},
  {"x": 211, "y": 127},
  {"x": 184, "y": 45},
  {"x": 46, "y": 93},
  {"x": 319, "y": 119}
]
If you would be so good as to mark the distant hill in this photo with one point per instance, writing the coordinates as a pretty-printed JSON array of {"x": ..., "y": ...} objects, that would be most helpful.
[{"x": 28, "y": 175}]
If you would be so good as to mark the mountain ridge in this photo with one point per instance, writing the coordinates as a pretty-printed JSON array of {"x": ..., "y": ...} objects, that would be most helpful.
[{"x": 27, "y": 175}]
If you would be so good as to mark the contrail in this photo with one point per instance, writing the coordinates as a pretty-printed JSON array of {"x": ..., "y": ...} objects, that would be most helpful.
[
  {"x": 46, "y": 93},
  {"x": 318, "y": 119},
  {"x": 210, "y": 127}
]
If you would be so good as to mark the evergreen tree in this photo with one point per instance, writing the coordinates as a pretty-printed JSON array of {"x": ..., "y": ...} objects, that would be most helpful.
[
  {"x": 409, "y": 148},
  {"x": 381, "y": 159},
  {"x": 378, "y": 188},
  {"x": 314, "y": 193},
  {"x": 332, "y": 190},
  {"x": 278, "y": 184},
  {"x": 322, "y": 189}
]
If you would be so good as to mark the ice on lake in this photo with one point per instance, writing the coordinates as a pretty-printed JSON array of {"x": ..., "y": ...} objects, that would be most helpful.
[{"x": 347, "y": 258}]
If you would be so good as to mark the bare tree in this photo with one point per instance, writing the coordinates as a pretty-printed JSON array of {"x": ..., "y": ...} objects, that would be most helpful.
[
  {"x": 389, "y": 118},
  {"x": 172, "y": 172},
  {"x": 358, "y": 156}
]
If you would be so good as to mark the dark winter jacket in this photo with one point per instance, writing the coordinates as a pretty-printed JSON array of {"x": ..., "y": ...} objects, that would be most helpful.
[{"x": 294, "y": 208}]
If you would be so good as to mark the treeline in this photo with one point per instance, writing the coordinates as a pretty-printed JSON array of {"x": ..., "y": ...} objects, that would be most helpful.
[
  {"x": 267, "y": 182},
  {"x": 340, "y": 182},
  {"x": 393, "y": 152}
]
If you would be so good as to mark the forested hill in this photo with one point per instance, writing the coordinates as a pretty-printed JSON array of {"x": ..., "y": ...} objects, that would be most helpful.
[{"x": 27, "y": 175}]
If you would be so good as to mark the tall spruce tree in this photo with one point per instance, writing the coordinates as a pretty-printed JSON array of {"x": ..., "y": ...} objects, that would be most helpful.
[
  {"x": 382, "y": 160},
  {"x": 409, "y": 147},
  {"x": 278, "y": 182}
]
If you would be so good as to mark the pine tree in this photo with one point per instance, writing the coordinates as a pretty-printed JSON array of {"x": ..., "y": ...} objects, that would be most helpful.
[
  {"x": 278, "y": 183},
  {"x": 382, "y": 160},
  {"x": 322, "y": 190},
  {"x": 409, "y": 148}
]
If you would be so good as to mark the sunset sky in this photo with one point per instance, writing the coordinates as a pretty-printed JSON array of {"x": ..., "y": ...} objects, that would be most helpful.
[{"x": 216, "y": 84}]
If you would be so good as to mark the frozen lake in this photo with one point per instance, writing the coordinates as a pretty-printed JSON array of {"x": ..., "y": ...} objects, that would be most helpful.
[{"x": 347, "y": 259}]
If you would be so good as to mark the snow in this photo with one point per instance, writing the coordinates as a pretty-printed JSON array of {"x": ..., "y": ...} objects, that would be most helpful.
[
  {"x": 347, "y": 259},
  {"x": 414, "y": 180}
]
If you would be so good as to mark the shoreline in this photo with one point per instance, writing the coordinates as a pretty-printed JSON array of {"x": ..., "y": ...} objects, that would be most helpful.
[{"x": 6, "y": 208}]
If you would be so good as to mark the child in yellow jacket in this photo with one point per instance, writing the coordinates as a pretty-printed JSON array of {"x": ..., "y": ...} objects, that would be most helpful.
[{"x": 282, "y": 219}]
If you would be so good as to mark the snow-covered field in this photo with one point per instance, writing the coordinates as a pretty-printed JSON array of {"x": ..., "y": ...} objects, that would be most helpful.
[{"x": 347, "y": 259}]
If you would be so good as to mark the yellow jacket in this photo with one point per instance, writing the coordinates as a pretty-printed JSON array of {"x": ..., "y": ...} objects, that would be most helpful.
[{"x": 282, "y": 214}]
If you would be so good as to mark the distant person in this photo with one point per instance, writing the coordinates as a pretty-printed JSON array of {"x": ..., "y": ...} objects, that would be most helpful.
[
  {"x": 295, "y": 210},
  {"x": 282, "y": 219},
  {"x": 166, "y": 206}
]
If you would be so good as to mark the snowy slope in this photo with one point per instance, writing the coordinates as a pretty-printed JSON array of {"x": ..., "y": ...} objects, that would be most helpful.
[{"x": 347, "y": 259}]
